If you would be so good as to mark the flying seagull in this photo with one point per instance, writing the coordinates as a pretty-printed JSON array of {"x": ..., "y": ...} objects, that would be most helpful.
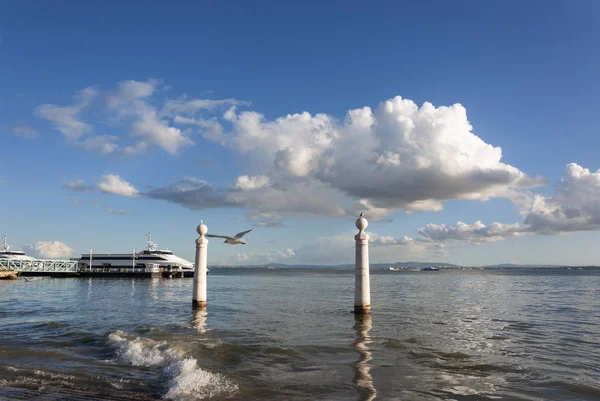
[{"x": 232, "y": 240}]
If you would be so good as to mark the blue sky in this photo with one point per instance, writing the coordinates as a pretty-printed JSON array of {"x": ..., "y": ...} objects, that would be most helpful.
[{"x": 116, "y": 119}]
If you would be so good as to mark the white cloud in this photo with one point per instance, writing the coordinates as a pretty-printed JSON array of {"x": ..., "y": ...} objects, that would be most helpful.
[
  {"x": 386, "y": 240},
  {"x": 259, "y": 258},
  {"x": 575, "y": 206},
  {"x": 190, "y": 107},
  {"x": 23, "y": 130},
  {"x": 105, "y": 144},
  {"x": 149, "y": 120},
  {"x": 78, "y": 185},
  {"x": 49, "y": 250},
  {"x": 131, "y": 90},
  {"x": 211, "y": 128},
  {"x": 120, "y": 212},
  {"x": 292, "y": 198},
  {"x": 130, "y": 103},
  {"x": 399, "y": 156},
  {"x": 473, "y": 233},
  {"x": 252, "y": 182},
  {"x": 373, "y": 213},
  {"x": 152, "y": 130},
  {"x": 66, "y": 118},
  {"x": 114, "y": 184},
  {"x": 267, "y": 220},
  {"x": 134, "y": 149}
]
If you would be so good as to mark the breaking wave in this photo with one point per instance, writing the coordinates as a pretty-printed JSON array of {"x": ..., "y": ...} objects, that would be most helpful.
[{"x": 187, "y": 381}]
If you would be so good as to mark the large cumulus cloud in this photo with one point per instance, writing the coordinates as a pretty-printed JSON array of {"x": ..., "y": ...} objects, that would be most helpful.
[{"x": 397, "y": 156}]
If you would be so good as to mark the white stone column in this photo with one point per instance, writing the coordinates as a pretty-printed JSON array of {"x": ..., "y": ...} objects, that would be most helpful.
[
  {"x": 200, "y": 270},
  {"x": 362, "y": 286}
]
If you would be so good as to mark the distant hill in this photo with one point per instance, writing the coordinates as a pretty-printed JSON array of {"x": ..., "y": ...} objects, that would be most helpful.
[
  {"x": 350, "y": 266},
  {"x": 376, "y": 266},
  {"x": 412, "y": 265},
  {"x": 516, "y": 266}
]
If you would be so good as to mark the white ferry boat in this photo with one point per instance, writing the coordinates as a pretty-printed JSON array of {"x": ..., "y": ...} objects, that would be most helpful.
[
  {"x": 7, "y": 253},
  {"x": 150, "y": 258}
]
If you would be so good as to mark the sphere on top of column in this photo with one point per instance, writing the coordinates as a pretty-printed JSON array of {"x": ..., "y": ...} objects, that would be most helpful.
[
  {"x": 361, "y": 222},
  {"x": 202, "y": 229}
]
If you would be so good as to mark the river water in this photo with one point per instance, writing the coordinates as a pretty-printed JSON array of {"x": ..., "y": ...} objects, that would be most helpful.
[{"x": 290, "y": 335}]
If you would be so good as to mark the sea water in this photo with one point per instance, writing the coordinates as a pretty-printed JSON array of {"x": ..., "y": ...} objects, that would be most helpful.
[{"x": 290, "y": 335}]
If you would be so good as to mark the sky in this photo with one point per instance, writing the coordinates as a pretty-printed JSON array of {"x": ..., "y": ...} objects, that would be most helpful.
[{"x": 466, "y": 131}]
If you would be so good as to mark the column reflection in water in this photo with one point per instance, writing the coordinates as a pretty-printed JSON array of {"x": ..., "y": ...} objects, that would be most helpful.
[
  {"x": 362, "y": 377},
  {"x": 154, "y": 283},
  {"x": 199, "y": 320}
]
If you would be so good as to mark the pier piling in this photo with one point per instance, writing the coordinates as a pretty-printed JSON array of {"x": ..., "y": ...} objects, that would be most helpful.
[
  {"x": 200, "y": 270},
  {"x": 362, "y": 286}
]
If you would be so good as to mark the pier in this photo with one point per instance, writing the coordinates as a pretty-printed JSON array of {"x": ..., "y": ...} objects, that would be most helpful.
[{"x": 40, "y": 267}]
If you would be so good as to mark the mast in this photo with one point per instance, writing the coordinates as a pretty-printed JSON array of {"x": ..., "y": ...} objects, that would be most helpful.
[
  {"x": 5, "y": 246},
  {"x": 150, "y": 246}
]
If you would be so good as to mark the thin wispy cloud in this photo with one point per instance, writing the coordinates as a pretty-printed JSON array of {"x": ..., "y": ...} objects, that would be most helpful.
[
  {"x": 22, "y": 130},
  {"x": 119, "y": 212},
  {"x": 66, "y": 119},
  {"x": 138, "y": 108},
  {"x": 78, "y": 185}
]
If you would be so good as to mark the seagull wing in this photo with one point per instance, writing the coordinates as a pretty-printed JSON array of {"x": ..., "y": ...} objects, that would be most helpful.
[
  {"x": 218, "y": 236},
  {"x": 240, "y": 235}
]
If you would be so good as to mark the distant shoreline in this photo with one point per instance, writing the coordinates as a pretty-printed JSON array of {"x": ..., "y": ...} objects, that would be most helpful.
[{"x": 381, "y": 266}]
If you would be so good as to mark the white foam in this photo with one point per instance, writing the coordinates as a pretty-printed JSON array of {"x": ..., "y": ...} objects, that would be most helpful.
[
  {"x": 142, "y": 351},
  {"x": 190, "y": 382},
  {"x": 51, "y": 375},
  {"x": 187, "y": 380},
  {"x": 463, "y": 390}
]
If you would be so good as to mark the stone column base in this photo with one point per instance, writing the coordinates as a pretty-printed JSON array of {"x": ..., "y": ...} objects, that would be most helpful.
[
  {"x": 362, "y": 310},
  {"x": 199, "y": 304}
]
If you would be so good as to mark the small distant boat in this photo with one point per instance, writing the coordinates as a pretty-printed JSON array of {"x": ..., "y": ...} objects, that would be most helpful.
[
  {"x": 33, "y": 278},
  {"x": 394, "y": 269},
  {"x": 430, "y": 269}
]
